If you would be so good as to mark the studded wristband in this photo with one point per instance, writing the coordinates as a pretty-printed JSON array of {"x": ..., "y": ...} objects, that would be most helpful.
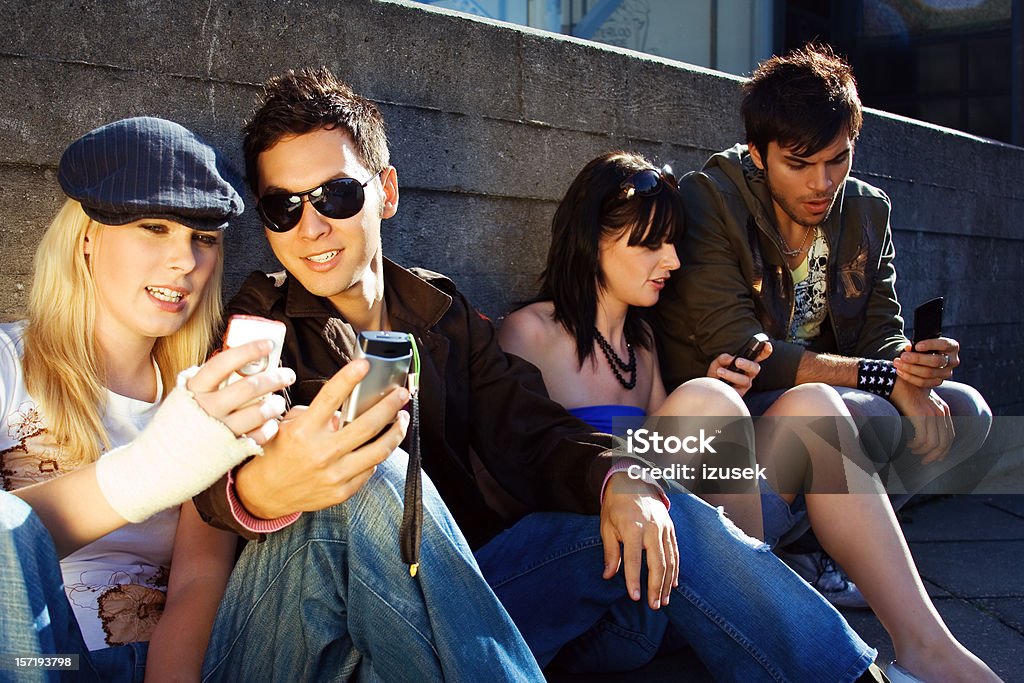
[{"x": 876, "y": 376}]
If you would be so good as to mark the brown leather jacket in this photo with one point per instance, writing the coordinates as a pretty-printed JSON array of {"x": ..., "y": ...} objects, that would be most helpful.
[{"x": 480, "y": 409}]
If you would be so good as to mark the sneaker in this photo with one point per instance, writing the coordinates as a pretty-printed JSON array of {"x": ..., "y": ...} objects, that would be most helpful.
[
  {"x": 826, "y": 577},
  {"x": 897, "y": 674}
]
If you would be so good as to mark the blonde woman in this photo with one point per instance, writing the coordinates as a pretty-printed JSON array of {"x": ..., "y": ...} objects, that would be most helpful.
[{"x": 103, "y": 429}]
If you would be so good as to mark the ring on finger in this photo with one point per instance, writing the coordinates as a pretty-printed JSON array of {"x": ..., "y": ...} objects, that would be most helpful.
[{"x": 945, "y": 365}]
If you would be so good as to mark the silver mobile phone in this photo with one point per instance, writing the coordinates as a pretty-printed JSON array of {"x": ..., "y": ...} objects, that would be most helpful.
[{"x": 390, "y": 354}]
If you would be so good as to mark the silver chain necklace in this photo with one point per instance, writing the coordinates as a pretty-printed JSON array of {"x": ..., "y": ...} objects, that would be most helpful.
[{"x": 796, "y": 252}]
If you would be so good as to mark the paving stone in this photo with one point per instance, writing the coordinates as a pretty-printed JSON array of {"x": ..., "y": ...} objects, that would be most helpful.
[
  {"x": 986, "y": 636},
  {"x": 982, "y": 569},
  {"x": 935, "y": 591},
  {"x": 1012, "y": 504},
  {"x": 967, "y": 517},
  {"x": 680, "y": 666},
  {"x": 1008, "y": 610}
]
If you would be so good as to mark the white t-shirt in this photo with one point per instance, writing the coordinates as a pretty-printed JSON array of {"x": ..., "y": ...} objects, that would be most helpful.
[{"x": 117, "y": 585}]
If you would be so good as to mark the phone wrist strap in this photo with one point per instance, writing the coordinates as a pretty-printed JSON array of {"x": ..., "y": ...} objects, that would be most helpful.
[
  {"x": 411, "y": 529},
  {"x": 876, "y": 376}
]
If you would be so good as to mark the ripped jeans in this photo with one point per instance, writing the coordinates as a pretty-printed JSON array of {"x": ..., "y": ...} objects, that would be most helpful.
[{"x": 744, "y": 613}]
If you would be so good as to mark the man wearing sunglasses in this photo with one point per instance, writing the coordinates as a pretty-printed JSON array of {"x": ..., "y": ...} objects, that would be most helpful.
[
  {"x": 780, "y": 239},
  {"x": 317, "y": 159}
]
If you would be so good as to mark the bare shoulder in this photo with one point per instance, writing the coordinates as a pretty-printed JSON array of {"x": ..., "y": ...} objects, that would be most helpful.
[
  {"x": 525, "y": 331},
  {"x": 649, "y": 331}
]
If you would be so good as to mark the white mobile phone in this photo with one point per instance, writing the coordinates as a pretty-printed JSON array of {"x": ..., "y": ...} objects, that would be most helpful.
[{"x": 243, "y": 329}]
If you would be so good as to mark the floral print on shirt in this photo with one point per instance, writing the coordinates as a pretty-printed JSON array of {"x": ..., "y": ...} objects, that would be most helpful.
[{"x": 36, "y": 456}]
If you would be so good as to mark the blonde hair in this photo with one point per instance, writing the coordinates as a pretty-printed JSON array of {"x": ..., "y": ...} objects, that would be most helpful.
[{"x": 63, "y": 368}]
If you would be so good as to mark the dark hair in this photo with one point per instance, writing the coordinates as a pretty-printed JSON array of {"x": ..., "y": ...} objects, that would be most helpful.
[
  {"x": 801, "y": 101},
  {"x": 313, "y": 99},
  {"x": 596, "y": 205}
]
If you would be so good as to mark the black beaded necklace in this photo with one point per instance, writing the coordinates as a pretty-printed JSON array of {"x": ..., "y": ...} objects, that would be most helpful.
[{"x": 618, "y": 365}]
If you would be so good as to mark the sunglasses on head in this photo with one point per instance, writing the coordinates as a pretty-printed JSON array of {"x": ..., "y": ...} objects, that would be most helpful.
[
  {"x": 648, "y": 182},
  {"x": 338, "y": 198}
]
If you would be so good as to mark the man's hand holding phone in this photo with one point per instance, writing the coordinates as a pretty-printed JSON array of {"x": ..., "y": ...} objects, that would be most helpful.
[
  {"x": 931, "y": 359},
  {"x": 924, "y": 365},
  {"x": 928, "y": 363},
  {"x": 316, "y": 462},
  {"x": 740, "y": 368}
]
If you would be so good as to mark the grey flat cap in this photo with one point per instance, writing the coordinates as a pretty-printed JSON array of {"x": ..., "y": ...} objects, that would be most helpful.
[{"x": 149, "y": 168}]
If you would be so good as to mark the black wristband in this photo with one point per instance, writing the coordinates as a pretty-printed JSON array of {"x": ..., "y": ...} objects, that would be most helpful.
[{"x": 876, "y": 376}]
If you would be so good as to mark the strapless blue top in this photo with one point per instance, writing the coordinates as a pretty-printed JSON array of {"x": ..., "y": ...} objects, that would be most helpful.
[{"x": 600, "y": 417}]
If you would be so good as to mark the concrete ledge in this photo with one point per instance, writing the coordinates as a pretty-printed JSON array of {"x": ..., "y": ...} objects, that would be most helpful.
[{"x": 488, "y": 127}]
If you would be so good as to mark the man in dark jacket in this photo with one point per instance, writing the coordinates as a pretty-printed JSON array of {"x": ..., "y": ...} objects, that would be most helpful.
[
  {"x": 780, "y": 239},
  {"x": 317, "y": 159}
]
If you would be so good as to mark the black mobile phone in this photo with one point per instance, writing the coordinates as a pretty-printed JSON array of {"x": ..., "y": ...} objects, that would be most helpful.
[
  {"x": 750, "y": 350},
  {"x": 928, "y": 320},
  {"x": 390, "y": 354}
]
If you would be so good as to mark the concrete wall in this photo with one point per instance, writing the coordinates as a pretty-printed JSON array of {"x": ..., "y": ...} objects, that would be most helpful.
[{"x": 488, "y": 123}]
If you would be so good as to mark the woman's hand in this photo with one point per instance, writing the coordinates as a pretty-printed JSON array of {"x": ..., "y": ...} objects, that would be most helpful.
[
  {"x": 237, "y": 405},
  {"x": 746, "y": 370},
  {"x": 184, "y": 449}
]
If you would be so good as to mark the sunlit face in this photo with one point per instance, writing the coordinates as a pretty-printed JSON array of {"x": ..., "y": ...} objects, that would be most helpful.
[
  {"x": 634, "y": 275},
  {"x": 804, "y": 189},
  {"x": 332, "y": 257},
  {"x": 150, "y": 276}
]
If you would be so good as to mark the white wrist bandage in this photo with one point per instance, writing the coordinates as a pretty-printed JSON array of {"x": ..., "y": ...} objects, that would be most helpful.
[{"x": 180, "y": 453}]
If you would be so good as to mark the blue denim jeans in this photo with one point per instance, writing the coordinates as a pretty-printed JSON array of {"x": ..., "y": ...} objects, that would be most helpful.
[
  {"x": 746, "y": 615},
  {"x": 329, "y": 598},
  {"x": 884, "y": 434},
  {"x": 121, "y": 664},
  {"x": 35, "y": 616},
  {"x": 972, "y": 420}
]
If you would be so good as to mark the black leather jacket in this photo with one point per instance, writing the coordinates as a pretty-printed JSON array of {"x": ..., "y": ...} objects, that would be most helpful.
[{"x": 485, "y": 416}]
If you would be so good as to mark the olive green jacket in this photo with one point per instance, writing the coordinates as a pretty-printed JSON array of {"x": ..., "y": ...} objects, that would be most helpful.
[{"x": 734, "y": 281}]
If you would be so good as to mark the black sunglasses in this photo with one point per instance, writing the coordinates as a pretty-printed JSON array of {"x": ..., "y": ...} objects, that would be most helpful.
[
  {"x": 338, "y": 198},
  {"x": 648, "y": 182}
]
